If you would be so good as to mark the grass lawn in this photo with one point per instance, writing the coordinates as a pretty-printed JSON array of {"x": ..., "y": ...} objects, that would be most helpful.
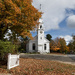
[{"x": 40, "y": 67}]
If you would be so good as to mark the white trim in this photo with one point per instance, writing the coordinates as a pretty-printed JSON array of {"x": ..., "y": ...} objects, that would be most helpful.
[{"x": 47, "y": 40}]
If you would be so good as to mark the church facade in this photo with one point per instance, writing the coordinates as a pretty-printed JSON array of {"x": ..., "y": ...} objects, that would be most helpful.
[{"x": 39, "y": 43}]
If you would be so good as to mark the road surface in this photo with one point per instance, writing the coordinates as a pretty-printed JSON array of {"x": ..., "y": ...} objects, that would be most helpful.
[{"x": 70, "y": 59}]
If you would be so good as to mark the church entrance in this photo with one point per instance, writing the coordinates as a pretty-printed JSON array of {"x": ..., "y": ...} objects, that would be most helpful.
[
  {"x": 40, "y": 47},
  {"x": 33, "y": 46}
]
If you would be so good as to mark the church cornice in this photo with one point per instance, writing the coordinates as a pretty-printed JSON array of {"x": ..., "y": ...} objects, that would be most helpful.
[{"x": 40, "y": 29}]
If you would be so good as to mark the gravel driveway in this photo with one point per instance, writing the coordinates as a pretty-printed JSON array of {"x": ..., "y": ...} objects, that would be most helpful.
[{"x": 70, "y": 59}]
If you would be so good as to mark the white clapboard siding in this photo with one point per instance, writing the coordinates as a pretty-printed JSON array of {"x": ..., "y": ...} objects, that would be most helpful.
[{"x": 13, "y": 61}]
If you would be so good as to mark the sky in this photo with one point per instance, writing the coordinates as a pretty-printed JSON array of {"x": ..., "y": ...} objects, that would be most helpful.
[{"x": 58, "y": 17}]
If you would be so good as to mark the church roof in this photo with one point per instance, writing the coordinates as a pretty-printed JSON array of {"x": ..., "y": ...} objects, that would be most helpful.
[
  {"x": 47, "y": 40},
  {"x": 34, "y": 38}
]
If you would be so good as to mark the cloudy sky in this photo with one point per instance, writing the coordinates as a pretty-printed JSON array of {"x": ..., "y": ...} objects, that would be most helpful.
[{"x": 58, "y": 17}]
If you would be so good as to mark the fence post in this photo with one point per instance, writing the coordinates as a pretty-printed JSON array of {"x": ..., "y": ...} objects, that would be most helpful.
[
  {"x": 8, "y": 62},
  {"x": 18, "y": 59}
]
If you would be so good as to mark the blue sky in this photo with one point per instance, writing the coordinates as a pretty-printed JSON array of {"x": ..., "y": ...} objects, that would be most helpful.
[{"x": 58, "y": 17}]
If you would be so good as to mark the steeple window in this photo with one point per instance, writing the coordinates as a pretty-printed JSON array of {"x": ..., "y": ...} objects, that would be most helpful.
[{"x": 40, "y": 26}]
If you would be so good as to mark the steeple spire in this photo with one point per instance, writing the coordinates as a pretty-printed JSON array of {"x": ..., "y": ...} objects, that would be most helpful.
[
  {"x": 40, "y": 21},
  {"x": 40, "y": 6}
]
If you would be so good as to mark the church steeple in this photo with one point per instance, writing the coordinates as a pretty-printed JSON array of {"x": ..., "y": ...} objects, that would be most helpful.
[
  {"x": 40, "y": 21},
  {"x": 40, "y": 31}
]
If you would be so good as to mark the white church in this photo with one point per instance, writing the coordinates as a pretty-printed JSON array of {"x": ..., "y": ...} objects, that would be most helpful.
[{"x": 39, "y": 43}]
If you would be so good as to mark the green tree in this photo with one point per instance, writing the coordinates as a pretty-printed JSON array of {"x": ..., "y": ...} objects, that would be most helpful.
[
  {"x": 48, "y": 36},
  {"x": 71, "y": 45},
  {"x": 5, "y": 48}
]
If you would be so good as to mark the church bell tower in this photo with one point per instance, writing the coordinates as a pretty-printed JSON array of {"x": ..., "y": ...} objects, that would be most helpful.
[
  {"x": 40, "y": 32},
  {"x": 40, "y": 35}
]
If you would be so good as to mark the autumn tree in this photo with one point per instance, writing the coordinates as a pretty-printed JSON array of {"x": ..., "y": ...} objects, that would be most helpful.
[
  {"x": 55, "y": 44},
  {"x": 63, "y": 47},
  {"x": 19, "y": 16},
  {"x": 59, "y": 45},
  {"x": 48, "y": 36}
]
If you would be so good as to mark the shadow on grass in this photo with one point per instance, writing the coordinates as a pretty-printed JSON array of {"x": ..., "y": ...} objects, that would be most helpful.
[{"x": 3, "y": 64}]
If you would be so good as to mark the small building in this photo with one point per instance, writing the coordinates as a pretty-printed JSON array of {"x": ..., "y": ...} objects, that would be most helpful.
[{"x": 39, "y": 43}]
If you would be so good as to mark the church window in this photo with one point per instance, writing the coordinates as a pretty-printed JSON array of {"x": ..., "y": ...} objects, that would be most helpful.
[
  {"x": 33, "y": 46},
  {"x": 41, "y": 32},
  {"x": 44, "y": 46},
  {"x": 40, "y": 26},
  {"x": 40, "y": 37}
]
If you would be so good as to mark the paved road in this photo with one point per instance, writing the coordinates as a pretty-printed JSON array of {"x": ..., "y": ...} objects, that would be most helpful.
[{"x": 62, "y": 58}]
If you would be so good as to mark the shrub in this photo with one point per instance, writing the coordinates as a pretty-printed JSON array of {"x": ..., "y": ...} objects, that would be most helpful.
[{"x": 5, "y": 48}]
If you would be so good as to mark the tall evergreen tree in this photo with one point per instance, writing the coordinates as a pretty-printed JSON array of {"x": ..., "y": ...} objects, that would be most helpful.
[{"x": 48, "y": 36}]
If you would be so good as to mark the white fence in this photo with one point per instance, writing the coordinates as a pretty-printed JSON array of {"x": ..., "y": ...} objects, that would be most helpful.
[{"x": 13, "y": 61}]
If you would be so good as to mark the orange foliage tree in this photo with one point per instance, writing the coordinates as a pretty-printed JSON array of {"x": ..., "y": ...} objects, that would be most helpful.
[
  {"x": 18, "y": 16},
  {"x": 59, "y": 44},
  {"x": 55, "y": 44}
]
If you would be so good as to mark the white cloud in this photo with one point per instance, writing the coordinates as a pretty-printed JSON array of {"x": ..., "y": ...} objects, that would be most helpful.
[
  {"x": 54, "y": 11},
  {"x": 67, "y": 38},
  {"x": 71, "y": 21}
]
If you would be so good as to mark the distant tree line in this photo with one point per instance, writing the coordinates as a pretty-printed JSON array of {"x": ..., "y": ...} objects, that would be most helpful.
[{"x": 59, "y": 45}]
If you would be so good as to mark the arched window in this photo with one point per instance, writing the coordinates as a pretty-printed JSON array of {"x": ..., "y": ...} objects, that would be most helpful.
[
  {"x": 33, "y": 46},
  {"x": 40, "y": 26},
  {"x": 44, "y": 46}
]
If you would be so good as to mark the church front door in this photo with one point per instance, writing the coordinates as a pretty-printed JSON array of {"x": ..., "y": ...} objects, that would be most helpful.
[{"x": 40, "y": 48}]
